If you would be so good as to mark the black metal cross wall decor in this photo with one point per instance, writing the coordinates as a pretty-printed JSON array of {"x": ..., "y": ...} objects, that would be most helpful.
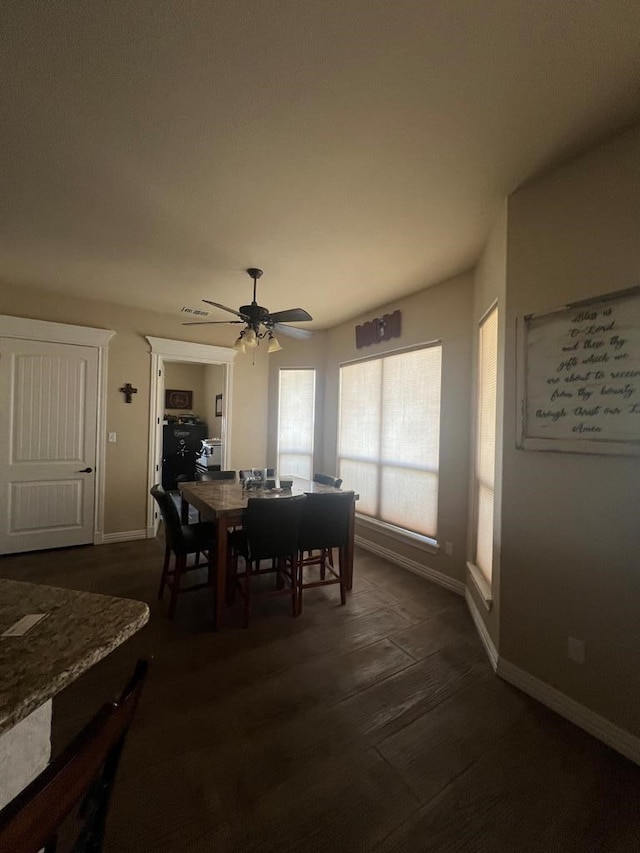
[{"x": 128, "y": 390}]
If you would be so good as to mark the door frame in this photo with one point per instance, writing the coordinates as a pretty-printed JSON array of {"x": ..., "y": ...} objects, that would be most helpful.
[
  {"x": 165, "y": 349},
  {"x": 86, "y": 336}
]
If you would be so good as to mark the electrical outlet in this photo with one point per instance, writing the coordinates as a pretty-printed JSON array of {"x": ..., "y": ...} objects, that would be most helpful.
[
  {"x": 575, "y": 650},
  {"x": 112, "y": 438},
  {"x": 448, "y": 549}
]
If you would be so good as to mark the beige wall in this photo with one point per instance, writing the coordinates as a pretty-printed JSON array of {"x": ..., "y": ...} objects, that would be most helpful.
[
  {"x": 129, "y": 361},
  {"x": 490, "y": 283},
  {"x": 570, "y": 523},
  {"x": 442, "y": 312},
  {"x": 213, "y": 385},
  {"x": 181, "y": 376}
]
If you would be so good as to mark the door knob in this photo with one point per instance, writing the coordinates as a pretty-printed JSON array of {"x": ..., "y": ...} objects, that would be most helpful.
[{"x": 85, "y": 471}]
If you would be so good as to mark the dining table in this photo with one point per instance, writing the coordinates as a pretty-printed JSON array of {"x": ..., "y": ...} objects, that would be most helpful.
[{"x": 224, "y": 502}]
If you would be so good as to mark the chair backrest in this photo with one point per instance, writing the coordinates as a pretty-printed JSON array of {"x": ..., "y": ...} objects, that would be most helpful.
[
  {"x": 327, "y": 480},
  {"x": 215, "y": 475},
  {"x": 83, "y": 774},
  {"x": 170, "y": 518},
  {"x": 273, "y": 526},
  {"x": 325, "y": 521}
]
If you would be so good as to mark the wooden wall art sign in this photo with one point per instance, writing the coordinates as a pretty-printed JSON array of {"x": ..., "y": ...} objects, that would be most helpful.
[
  {"x": 579, "y": 377},
  {"x": 381, "y": 329}
]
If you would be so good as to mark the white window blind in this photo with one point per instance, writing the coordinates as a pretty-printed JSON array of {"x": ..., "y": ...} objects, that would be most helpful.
[
  {"x": 486, "y": 440},
  {"x": 389, "y": 437},
  {"x": 296, "y": 418}
]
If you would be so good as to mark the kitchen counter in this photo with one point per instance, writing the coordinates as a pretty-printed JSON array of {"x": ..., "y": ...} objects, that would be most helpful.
[{"x": 79, "y": 630}]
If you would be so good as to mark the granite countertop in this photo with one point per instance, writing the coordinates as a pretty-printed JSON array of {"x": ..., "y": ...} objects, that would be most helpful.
[{"x": 80, "y": 630}]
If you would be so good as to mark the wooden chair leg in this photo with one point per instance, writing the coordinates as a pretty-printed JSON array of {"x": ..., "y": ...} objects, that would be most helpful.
[
  {"x": 165, "y": 569},
  {"x": 178, "y": 570},
  {"x": 343, "y": 580},
  {"x": 323, "y": 560},
  {"x": 247, "y": 592},
  {"x": 295, "y": 586},
  {"x": 212, "y": 580},
  {"x": 232, "y": 577},
  {"x": 299, "y": 576}
]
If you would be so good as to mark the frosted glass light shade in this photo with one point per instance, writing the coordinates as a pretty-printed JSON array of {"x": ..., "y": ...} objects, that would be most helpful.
[{"x": 250, "y": 339}]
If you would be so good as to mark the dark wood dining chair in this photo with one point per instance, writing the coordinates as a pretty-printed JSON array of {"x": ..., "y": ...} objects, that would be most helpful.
[
  {"x": 270, "y": 532},
  {"x": 210, "y": 476},
  {"x": 325, "y": 525},
  {"x": 336, "y": 482},
  {"x": 83, "y": 775},
  {"x": 181, "y": 540},
  {"x": 327, "y": 480}
]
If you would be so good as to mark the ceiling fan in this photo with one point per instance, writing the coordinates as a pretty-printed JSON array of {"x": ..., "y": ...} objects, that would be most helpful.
[{"x": 259, "y": 322}]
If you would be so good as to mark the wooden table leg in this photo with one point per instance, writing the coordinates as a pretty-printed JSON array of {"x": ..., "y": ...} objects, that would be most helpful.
[
  {"x": 221, "y": 570},
  {"x": 348, "y": 551},
  {"x": 184, "y": 510}
]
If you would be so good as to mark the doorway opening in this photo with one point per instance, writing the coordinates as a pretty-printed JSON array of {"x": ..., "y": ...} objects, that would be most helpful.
[{"x": 209, "y": 371}]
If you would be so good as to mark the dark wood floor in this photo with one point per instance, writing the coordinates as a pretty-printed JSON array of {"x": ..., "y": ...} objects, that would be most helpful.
[{"x": 378, "y": 726}]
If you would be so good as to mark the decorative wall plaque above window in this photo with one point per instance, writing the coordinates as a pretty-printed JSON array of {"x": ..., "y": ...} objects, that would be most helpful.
[{"x": 381, "y": 329}]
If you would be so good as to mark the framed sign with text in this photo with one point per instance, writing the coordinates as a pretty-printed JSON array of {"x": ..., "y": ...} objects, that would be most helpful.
[
  {"x": 579, "y": 377},
  {"x": 174, "y": 399}
]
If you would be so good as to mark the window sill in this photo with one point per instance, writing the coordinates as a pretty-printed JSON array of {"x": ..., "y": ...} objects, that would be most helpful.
[
  {"x": 416, "y": 540},
  {"x": 482, "y": 585}
]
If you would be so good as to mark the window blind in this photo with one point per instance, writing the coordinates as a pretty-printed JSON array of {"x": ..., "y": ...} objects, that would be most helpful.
[
  {"x": 296, "y": 418},
  {"x": 389, "y": 436},
  {"x": 486, "y": 440}
]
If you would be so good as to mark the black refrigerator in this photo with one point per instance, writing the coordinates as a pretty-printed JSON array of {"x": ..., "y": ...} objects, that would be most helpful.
[{"x": 181, "y": 444}]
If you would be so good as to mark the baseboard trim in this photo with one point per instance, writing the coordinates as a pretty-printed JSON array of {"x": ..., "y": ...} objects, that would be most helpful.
[
  {"x": 123, "y": 536},
  {"x": 583, "y": 717},
  {"x": 481, "y": 628},
  {"x": 411, "y": 565}
]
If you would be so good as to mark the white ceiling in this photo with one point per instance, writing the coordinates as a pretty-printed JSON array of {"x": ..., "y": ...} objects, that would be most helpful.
[{"x": 356, "y": 150}]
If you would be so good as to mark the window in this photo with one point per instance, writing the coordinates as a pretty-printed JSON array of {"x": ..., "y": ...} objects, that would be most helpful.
[
  {"x": 296, "y": 418},
  {"x": 486, "y": 440},
  {"x": 389, "y": 437}
]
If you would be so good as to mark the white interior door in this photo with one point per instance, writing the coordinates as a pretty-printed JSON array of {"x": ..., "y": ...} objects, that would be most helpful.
[{"x": 48, "y": 435}]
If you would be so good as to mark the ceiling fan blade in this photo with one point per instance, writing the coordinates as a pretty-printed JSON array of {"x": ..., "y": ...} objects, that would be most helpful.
[
  {"x": 226, "y": 308},
  {"x": 212, "y": 322},
  {"x": 291, "y": 315},
  {"x": 292, "y": 332}
]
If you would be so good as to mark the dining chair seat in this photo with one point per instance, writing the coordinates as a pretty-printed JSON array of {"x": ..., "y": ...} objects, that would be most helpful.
[
  {"x": 326, "y": 522},
  {"x": 182, "y": 540},
  {"x": 270, "y": 532}
]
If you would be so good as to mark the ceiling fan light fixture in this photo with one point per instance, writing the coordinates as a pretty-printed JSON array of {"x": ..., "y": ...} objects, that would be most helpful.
[
  {"x": 250, "y": 338},
  {"x": 259, "y": 322},
  {"x": 274, "y": 343}
]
